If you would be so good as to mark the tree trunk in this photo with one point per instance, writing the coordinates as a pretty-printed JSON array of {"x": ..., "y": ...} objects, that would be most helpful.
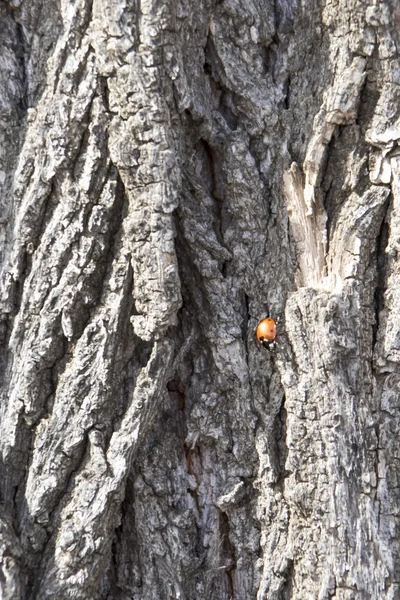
[{"x": 171, "y": 173}]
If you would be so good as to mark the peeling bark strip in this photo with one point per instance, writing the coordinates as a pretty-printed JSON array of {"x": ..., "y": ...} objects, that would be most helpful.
[{"x": 170, "y": 174}]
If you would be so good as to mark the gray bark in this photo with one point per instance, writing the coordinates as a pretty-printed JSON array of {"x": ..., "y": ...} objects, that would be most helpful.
[{"x": 170, "y": 174}]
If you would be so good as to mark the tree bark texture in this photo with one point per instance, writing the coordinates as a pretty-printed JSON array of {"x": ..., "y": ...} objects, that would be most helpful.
[{"x": 172, "y": 172}]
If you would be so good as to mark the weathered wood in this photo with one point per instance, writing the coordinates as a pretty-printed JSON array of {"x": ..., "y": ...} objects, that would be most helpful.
[{"x": 170, "y": 174}]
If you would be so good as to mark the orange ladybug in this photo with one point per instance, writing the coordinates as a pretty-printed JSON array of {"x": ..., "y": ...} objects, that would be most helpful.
[{"x": 266, "y": 332}]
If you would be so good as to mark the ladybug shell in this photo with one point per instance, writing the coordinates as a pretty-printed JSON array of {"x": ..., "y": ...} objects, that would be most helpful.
[{"x": 266, "y": 330}]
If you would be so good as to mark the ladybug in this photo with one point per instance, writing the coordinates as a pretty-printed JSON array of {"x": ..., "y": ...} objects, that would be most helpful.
[{"x": 266, "y": 332}]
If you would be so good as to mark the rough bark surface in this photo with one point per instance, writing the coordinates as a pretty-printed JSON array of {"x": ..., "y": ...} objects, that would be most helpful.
[{"x": 171, "y": 172}]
